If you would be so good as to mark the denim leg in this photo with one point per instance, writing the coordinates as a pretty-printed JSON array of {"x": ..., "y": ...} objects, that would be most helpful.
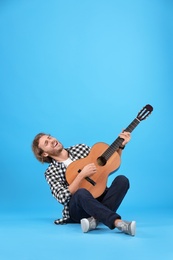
[
  {"x": 116, "y": 193},
  {"x": 84, "y": 205}
]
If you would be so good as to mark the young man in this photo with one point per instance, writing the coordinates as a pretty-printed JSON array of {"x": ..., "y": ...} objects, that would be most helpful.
[{"x": 79, "y": 204}]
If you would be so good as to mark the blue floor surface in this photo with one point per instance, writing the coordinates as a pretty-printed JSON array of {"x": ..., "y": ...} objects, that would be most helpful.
[{"x": 35, "y": 237}]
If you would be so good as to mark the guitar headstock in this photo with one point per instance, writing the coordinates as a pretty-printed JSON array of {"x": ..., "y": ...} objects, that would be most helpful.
[{"x": 145, "y": 112}]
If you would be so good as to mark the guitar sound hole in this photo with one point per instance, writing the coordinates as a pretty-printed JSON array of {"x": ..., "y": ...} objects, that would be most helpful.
[{"x": 101, "y": 161}]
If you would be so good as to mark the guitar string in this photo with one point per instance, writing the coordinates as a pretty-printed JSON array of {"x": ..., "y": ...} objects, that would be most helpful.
[
  {"x": 119, "y": 140},
  {"x": 116, "y": 144}
]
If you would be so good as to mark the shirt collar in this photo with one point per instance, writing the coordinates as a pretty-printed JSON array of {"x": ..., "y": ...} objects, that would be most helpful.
[{"x": 61, "y": 164}]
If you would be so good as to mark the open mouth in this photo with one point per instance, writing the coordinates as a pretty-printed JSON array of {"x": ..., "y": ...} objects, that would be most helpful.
[{"x": 55, "y": 144}]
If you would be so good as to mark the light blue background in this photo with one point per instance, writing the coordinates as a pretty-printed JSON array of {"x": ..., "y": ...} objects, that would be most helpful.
[{"x": 82, "y": 70}]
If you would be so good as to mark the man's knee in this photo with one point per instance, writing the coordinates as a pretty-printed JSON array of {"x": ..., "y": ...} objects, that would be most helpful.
[
  {"x": 123, "y": 180},
  {"x": 80, "y": 193}
]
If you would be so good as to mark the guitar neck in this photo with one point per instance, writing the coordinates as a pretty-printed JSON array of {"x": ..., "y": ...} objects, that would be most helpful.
[{"x": 118, "y": 142}]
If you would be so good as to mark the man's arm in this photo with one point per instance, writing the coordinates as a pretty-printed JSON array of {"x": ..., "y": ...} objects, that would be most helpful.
[{"x": 57, "y": 183}]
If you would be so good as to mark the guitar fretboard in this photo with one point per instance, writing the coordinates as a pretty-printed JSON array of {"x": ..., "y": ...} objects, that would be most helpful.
[{"x": 118, "y": 142}]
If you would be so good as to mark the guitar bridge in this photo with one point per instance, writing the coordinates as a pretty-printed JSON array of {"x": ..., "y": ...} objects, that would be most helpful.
[{"x": 90, "y": 181}]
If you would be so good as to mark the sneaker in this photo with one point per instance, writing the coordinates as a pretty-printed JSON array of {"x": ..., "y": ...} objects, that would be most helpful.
[
  {"x": 88, "y": 224},
  {"x": 127, "y": 227}
]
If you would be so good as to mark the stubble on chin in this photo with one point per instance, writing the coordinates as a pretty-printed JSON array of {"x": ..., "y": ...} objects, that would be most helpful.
[{"x": 57, "y": 151}]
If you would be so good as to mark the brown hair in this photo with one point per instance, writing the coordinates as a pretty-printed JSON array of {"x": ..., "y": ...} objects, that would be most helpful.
[{"x": 38, "y": 152}]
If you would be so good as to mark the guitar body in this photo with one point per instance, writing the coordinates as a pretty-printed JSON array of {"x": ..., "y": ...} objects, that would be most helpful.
[{"x": 102, "y": 173}]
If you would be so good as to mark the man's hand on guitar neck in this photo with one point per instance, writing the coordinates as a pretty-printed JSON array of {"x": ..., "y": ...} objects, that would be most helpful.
[{"x": 126, "y": 136}]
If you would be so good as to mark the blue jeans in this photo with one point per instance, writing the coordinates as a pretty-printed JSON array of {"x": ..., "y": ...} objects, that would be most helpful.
[{"x": 83, "y": 205}]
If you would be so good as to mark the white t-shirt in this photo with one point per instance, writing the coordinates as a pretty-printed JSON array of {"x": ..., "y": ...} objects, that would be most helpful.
[{"x": 67, "y": 162}]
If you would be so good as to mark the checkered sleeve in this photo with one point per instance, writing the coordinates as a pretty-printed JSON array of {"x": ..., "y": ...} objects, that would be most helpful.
[
  {"x": 56, "y": 180},
  {"x": 80, "y": 151}
]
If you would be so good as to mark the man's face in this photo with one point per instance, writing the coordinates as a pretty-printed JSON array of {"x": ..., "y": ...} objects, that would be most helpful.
[{"x": 50, "y": 145}]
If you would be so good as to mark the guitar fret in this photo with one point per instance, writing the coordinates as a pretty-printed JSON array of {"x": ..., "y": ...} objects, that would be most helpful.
[{"x": 131, "y": 127}]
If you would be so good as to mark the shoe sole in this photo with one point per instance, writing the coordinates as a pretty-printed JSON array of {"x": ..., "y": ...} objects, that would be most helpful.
[
  {"x": 133, "y": 228},
  {"x": 84, "y": 225}
]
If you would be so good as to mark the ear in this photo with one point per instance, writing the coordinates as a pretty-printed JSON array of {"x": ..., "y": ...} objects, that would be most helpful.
[{"x": 44, "y": 154}]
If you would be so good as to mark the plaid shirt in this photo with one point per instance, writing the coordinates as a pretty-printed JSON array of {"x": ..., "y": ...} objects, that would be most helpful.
[{"x": 55, "y": 176}]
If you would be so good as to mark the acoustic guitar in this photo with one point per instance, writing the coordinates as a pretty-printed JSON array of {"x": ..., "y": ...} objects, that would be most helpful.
[{"x": 106, "y": 159}]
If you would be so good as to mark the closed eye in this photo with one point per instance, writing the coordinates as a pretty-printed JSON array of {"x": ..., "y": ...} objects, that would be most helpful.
[{"x": 46, "y": 143}]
